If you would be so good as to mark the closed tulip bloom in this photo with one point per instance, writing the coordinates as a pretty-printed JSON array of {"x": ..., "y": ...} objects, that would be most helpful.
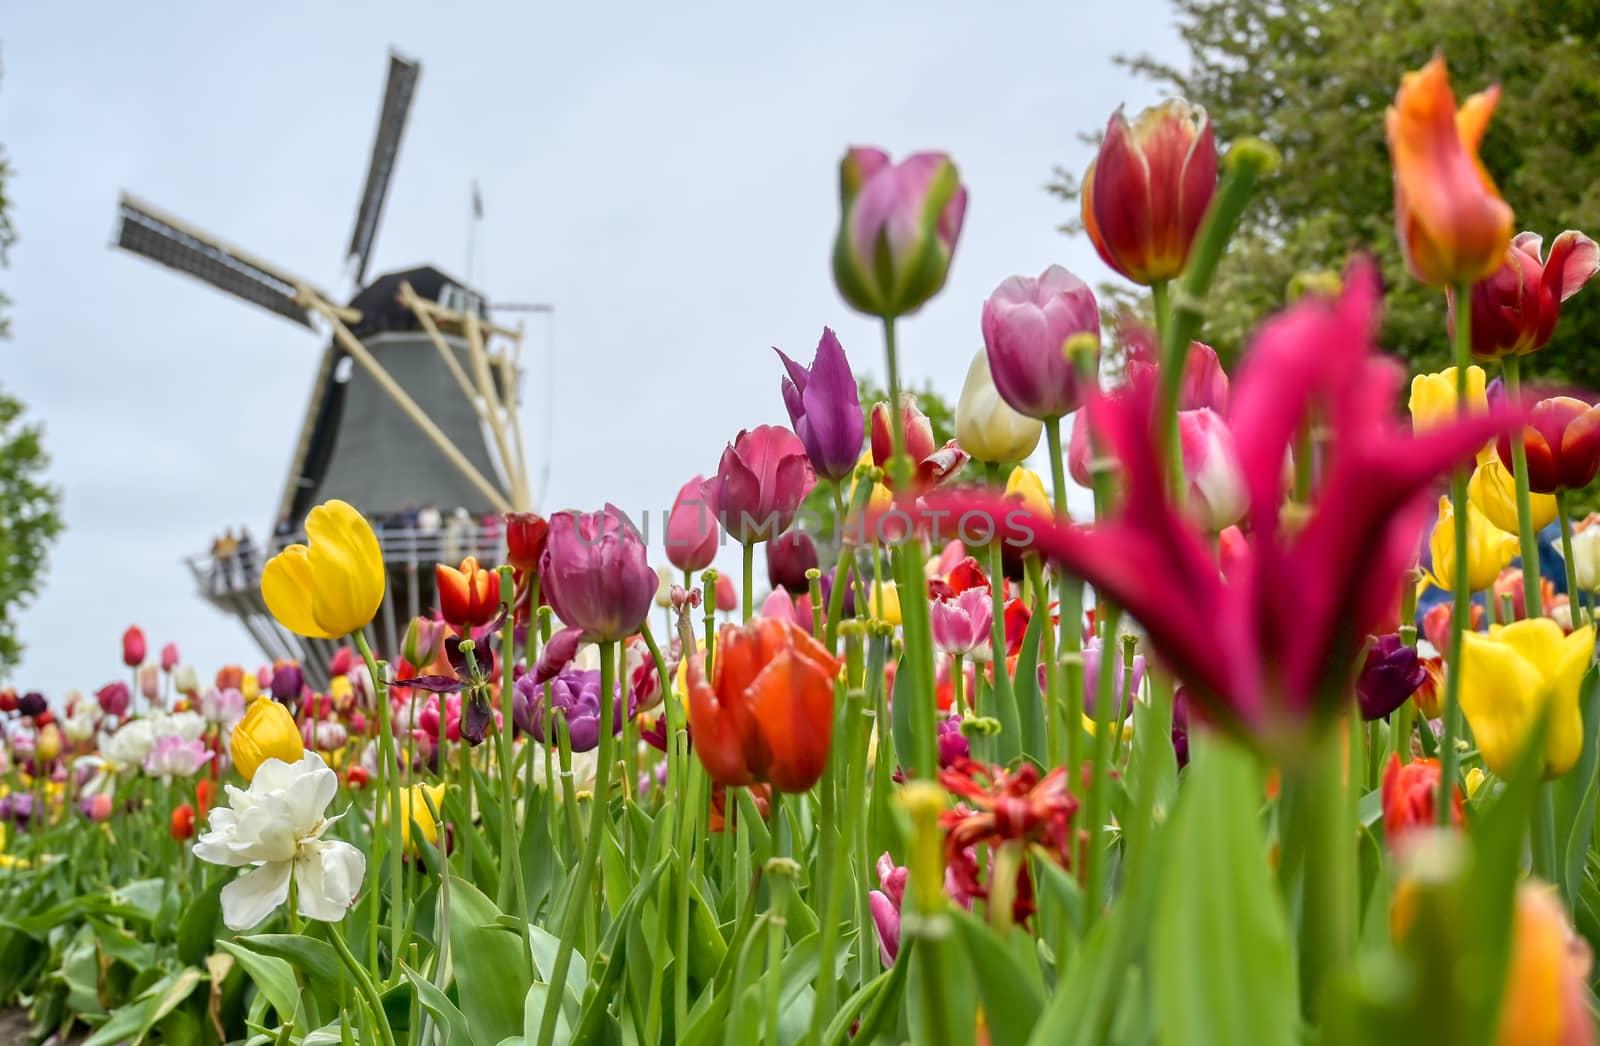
[
  {"x": 1510, "y": 676},
  {"x": 267, "y": 731},
  {"x": 727, "y": 597},
  {"x": 692, "y": 526},
  {"x": 883, "y": 601},
  {"x": 667, "y": 577},
  {"x": 182, "y": 822},
  {"x": 287, "y": 682},
  {"x": 1493, "y": 491},
  {"x": 468, "y": 596},
  {"x": 766, "y": 712},
  {"x": 1026, "y": 487},
  {"x": 114, "y": 698},
  {"x": 986, "y": 426},
  {"x": 1514, "y": 310},
  {"x": 1216, "y": 493},
  {"x": 898, "y": 229},
  {"x": 1391, "y": 673},
  {"x": 1489, "y": 549},
  {"x": 788, "y": 559},
  {"x": 133, "y": 646},
  {"x": 1028, "y": 324},
  {"x": 1586, "y": 552},
  {"x": 1562, "y": 439},
  {"x": 596, "y": 574},
  {"x": 1433, "y": 397},
  {"x": 961, "y": 625},
  {"x": 48, "y": 744},
  {"x": 1546, "y": 996},
  {"x": 1453, "y": 226},
  {"x": 1148, "y": 187},
  {"x": 424, "y": 641},
  {"x": 332, "y": 587},
  {"x": 169, "y": 657},
  {"x": 1409, "y": 795},
  {"x": 824, "y": 407},
  {"x": 186, "y": 680},
  {"x": 150, "y": 682},
  {"x": 526, "y": 534},
  {"x": 762, "y": 478},
  {"x": 417, "y": 815}
]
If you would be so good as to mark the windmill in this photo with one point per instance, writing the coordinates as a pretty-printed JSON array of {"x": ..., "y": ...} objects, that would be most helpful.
[{"x": 414, "y": 402}]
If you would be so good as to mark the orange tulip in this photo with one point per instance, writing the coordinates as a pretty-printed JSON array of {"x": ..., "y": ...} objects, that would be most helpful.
[
  {"x": 182, "y": 821},
  {"x": 469, "y": 596},
  {"x": 1409, "y": 795},
  {"x": 1454, "y": 228},
  {"x": 766, "y": 714}
]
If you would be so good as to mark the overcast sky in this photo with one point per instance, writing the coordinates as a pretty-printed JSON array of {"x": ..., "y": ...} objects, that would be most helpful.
[{"x": 666, "y": 176}]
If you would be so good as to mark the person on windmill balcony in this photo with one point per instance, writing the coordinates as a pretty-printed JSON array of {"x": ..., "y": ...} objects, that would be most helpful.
[
  {"x": 247, "y": 556},
  {"x": 224, "y": 551},
  {"x": 457, "y": 536}
]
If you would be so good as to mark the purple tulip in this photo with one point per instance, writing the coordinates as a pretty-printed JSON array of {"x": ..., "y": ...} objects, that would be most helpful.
[
  {"x": 287, "y": 682},
  {"x": 114, "y": 698},
  {"x": 596, "y": 574},
  {"x": 1026, "y": 326},
  {"x": 692, "y": 527},
  {"x": 825, "y": 408},
  {"x": 788, "y": 559},
  {"x": 885, "y": 905},
  {"x": 961, "y": 625},
  {"x": 1391, "y": 674},
  {"x": 898, "y": 230},
  {"x": 574, "y": 695},
  {"x": 1121, "y": 687},
  {"x": 762, "y": 478}
]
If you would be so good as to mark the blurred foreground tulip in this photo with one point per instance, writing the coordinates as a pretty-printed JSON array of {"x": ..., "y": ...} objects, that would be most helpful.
[
  {"x": 1148, "y": 188},
  {"x": 898, "y": 229},
  {"x": 986, "y": 426},
  {"x": 1562, "y": 439},
  {"x": 824, "y": 407},
  {"x": 332, "y": 587},
  {"x": 1514, "y": 309},
  {"x": 1510, "y": 676},
  {"x": 1029, "y": 325},
  {"x": 267, "y": 731},
  {"x": 1453, "y": 226},
  {"x": 1545, "y": 1001}
]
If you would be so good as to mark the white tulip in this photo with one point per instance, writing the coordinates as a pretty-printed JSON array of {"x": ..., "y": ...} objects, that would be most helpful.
[
  {"x": 1586, "y": 555},
  {"x": 276, "y": 825},
  {"x": 127, "y": 748},
  {"x": 986, "y": 426}
]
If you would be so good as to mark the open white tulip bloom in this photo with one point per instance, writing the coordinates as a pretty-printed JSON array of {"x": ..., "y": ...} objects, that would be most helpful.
[{"x": 277, "y": 824}]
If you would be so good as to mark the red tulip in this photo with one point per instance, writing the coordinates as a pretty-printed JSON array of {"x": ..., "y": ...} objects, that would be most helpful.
[
  {"x": 526, "y": 535},
  {"x": 468, "y": 597},
  {"x": 133, "y": 647},
  {"x": 1515, "y": 308},
  {"x": 1410, "y": 798},
  {"x": 766, "y": 713},
  {"x": 183, "y": 822},
  {"x": 1562, "y": 439},
  {"x": 932, "y": 465}
]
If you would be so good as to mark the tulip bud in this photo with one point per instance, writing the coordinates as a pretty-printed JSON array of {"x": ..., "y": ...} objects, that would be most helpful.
[
  {"x": 1027, "y": 326},
  {"x": 883, "y": 602},
  {"x": 182, "y": 822},
  {"x": 692, "y": 526},
  {"x": 169, "y": 657},
  {"x": 1514, "y": 309},
  {"x": 150, "y": 682},
  {"x": 667, "y": 578},
  {"x": 287, "y": 682},
  {"x": 1148, "y": 188},
  {"x": 788, "y": 559},
  {"x": 1217, "y": 497},
  {"x": 133, "y": 647},
  {"x": 231, "y": 677},
  {"x": 1562, "y": 440},
  {"x": 114, "y": 698},
  {"x": 97, "y": 807},
  {"x": 898, "y": 229},
  {"x": 267, "y": 731},
  {"x": 424, "y": 639},
  {"x": 1433, "y": 397},
  {"x": 1391, "y": 673},
  {"x": 986, "y": 426},
  {"x": 727, "y": 595},
  {"x": 469, "y": 596},
  {"x": 526, "y": 535},
  {"x": 1586, "y": 552},
  {"x": 48, "y": 745},
  {"x": 186, "y": 680}
]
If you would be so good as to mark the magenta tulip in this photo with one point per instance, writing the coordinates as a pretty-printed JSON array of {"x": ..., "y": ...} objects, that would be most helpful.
[
  {"x": 692, "y": 527},
  {"x": 597, "y": 579},
  {"x": 1027, "y": 325},
  {"x": 825, "y": 408},
  {"x": 133, "y": 646},
  {"x": 762, "y": 478},
  {"x": 898, "y": 229},
  {"x": 788, "y": 559}
]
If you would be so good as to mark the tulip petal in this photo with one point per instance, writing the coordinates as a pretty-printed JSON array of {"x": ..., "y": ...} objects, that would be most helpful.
[
  {"x": 249, "y": 899},
  {"x": 347, "y": 565},
  {"x": 1499, "y": 687},
  {"x": 288, "y": 587},
  {"x": 1573, "y": 261},
  {"x": 328, "y": 875}
]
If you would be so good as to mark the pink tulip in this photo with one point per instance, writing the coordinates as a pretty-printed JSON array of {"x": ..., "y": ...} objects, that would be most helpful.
[
  {"x": 172, "y": 756},
  {"x": 169, "y": 657},
  {"x": 961, "y": 625},
  {"x": 150, "y": 682},
  {"x": 1027, "y": 325},
  {"x": 727, "y": 595},
  {"x": 597, "y": 579},
  {"x": 1216, "y": 496},
  {"x": 762, "y": 478},
  {"x": 898, "y": 230},
  {"x": 692, "y": 527},
  {"x": 133, "y": 647}
]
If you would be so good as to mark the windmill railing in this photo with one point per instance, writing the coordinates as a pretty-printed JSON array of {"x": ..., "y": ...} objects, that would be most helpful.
[{"x": 231, "y": 581}]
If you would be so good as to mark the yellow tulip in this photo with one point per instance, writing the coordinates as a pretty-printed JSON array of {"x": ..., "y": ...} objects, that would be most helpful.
[
  {"x": 1489, "y": 549},
  {"x": 333, "y": 587},
  {"x": 1433, "y": 397},
  {"x": 249, "y": 686},
  {"x": 267, "y": 731},
  {"x": 884, "y": 601},
  {"x": 881, "y": 498},
  {"x": 1026, "y": 486},
  {"x": 414, "y": 808},
  {"x": 1475, "y": 779},
  {"x": 1510, "y": 676},
  {"x": 1493, "y": 490}
]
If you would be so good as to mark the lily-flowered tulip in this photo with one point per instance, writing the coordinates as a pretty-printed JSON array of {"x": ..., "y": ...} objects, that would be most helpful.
[
  {"x": 1272, "y": 651},
  {"x": 526, "y": 534},
  {"x": 1510, "y": 675},
  {"x": 692, "y": 526},
  {"x": 1514, "y": 310},
  {"x": 986, "y": 426},
  {"x": 1562, "y": 439},
  {"x": 575, "y": 697},
  {"x": 788, "y": 559},
  {"x": 1493, "y": 492},
  {"x": 1216, "y": 491},
  {"x": 332, "y": 587},
  {"x": 169, "y": 657},
  {"x": 171, "y": 756},
  {"x": 1148, "y": 188},
  {"x": 824, "y": 407},
  {"x": 468, "y": 596},
  {"x": 267, "y": 731},
  {"x": 932, "y": 465},
  {"x": 766, "y": 713},
  {"x": 1546, "y": 994},
  {"x": 1029, "y": 324},
  {"x": 1489, "y": 549},
  {"x": 961, "y": 624},
  {"x": 1433, "y": 397},
  {"x": 133, "y": 646},
  {"x": 898, "y": 229},
  {"x": 762, "y": 478},
  {"x": 596, "y": 574},
  {"x": 1390, "y": 674},
  {"x": 1586, "y": 552},
  {"x": 1410, "y": 797},
  {"x": 277, "y": 826},
  {"x": 1453, "y": 226}
]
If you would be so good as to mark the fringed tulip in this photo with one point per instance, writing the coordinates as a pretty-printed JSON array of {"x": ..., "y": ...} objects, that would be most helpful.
[
  {"x": 1148, "y": 188},
  {"x": 1489, "y": 549},
  {"x": 788, "y": 559},
  {"x": 961, "y": 624},
  {"x": 824, "y": 407},
  {"x": 267, "y": 731},
  {"x": 1390, "y": 674},
  {"x": 766, "y": 713},
  {"x": 1029, "y": 324},
  {"x": 1511, "y": 676},
  {"x": 1410, "y": 792},
  {"x": 332, "y": 587},
  {"x": 1514, "y": 310},
  {"x": 897, "y": 231},
  {"x": 1433, "y": 397},
  {"x": 468, "y": 596},
  {"x": 986, "y": 426},
  {"x": 763, "y": 477},
  {"x": 133, "y": 646},
  {"x": 1492, "y": 490},
  {"x": 1562, "y": 439},
  {"x": 1453, "y": 226}
]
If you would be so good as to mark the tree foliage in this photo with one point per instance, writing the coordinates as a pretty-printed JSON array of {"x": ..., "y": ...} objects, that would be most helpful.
[{"x": 1314, "y": 78}]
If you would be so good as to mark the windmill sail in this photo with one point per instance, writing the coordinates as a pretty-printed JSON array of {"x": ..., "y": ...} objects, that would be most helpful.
[
  {"x": 380, "y": 168},
  {"x": 145, "y": 231}
]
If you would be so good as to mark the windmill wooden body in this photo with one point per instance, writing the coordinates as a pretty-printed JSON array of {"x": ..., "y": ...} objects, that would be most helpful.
[{"x": 413, "y": 416}]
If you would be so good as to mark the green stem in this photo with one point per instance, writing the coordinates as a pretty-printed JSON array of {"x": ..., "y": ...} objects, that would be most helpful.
[
  {"x": 1574, "y": 604},
  {"x": 510, "y": 851},
  {"x": 749, "y": 579},
  {"x": 1461, "y": 614},
  {"x": 364, "y": 985},
  {"x": 1542, "y": 837},
  {"x": 391, "y": 774},
  {"x": 1069, "y": 593},
  {"x": 1319, "y": 842},
  {"x": 572, "y": 916},
  {"x": 1095, "y": 848},
  {"x": 1532, "y": 605}
]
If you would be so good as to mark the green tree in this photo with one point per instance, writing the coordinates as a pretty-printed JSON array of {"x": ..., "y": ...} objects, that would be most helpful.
[
  {"x": 1314, "y": 77},
  {"x": 29, "y": 507}
]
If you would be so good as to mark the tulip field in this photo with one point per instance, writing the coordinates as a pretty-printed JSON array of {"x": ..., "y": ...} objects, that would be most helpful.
[{"x": 1295, "y": 739}]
